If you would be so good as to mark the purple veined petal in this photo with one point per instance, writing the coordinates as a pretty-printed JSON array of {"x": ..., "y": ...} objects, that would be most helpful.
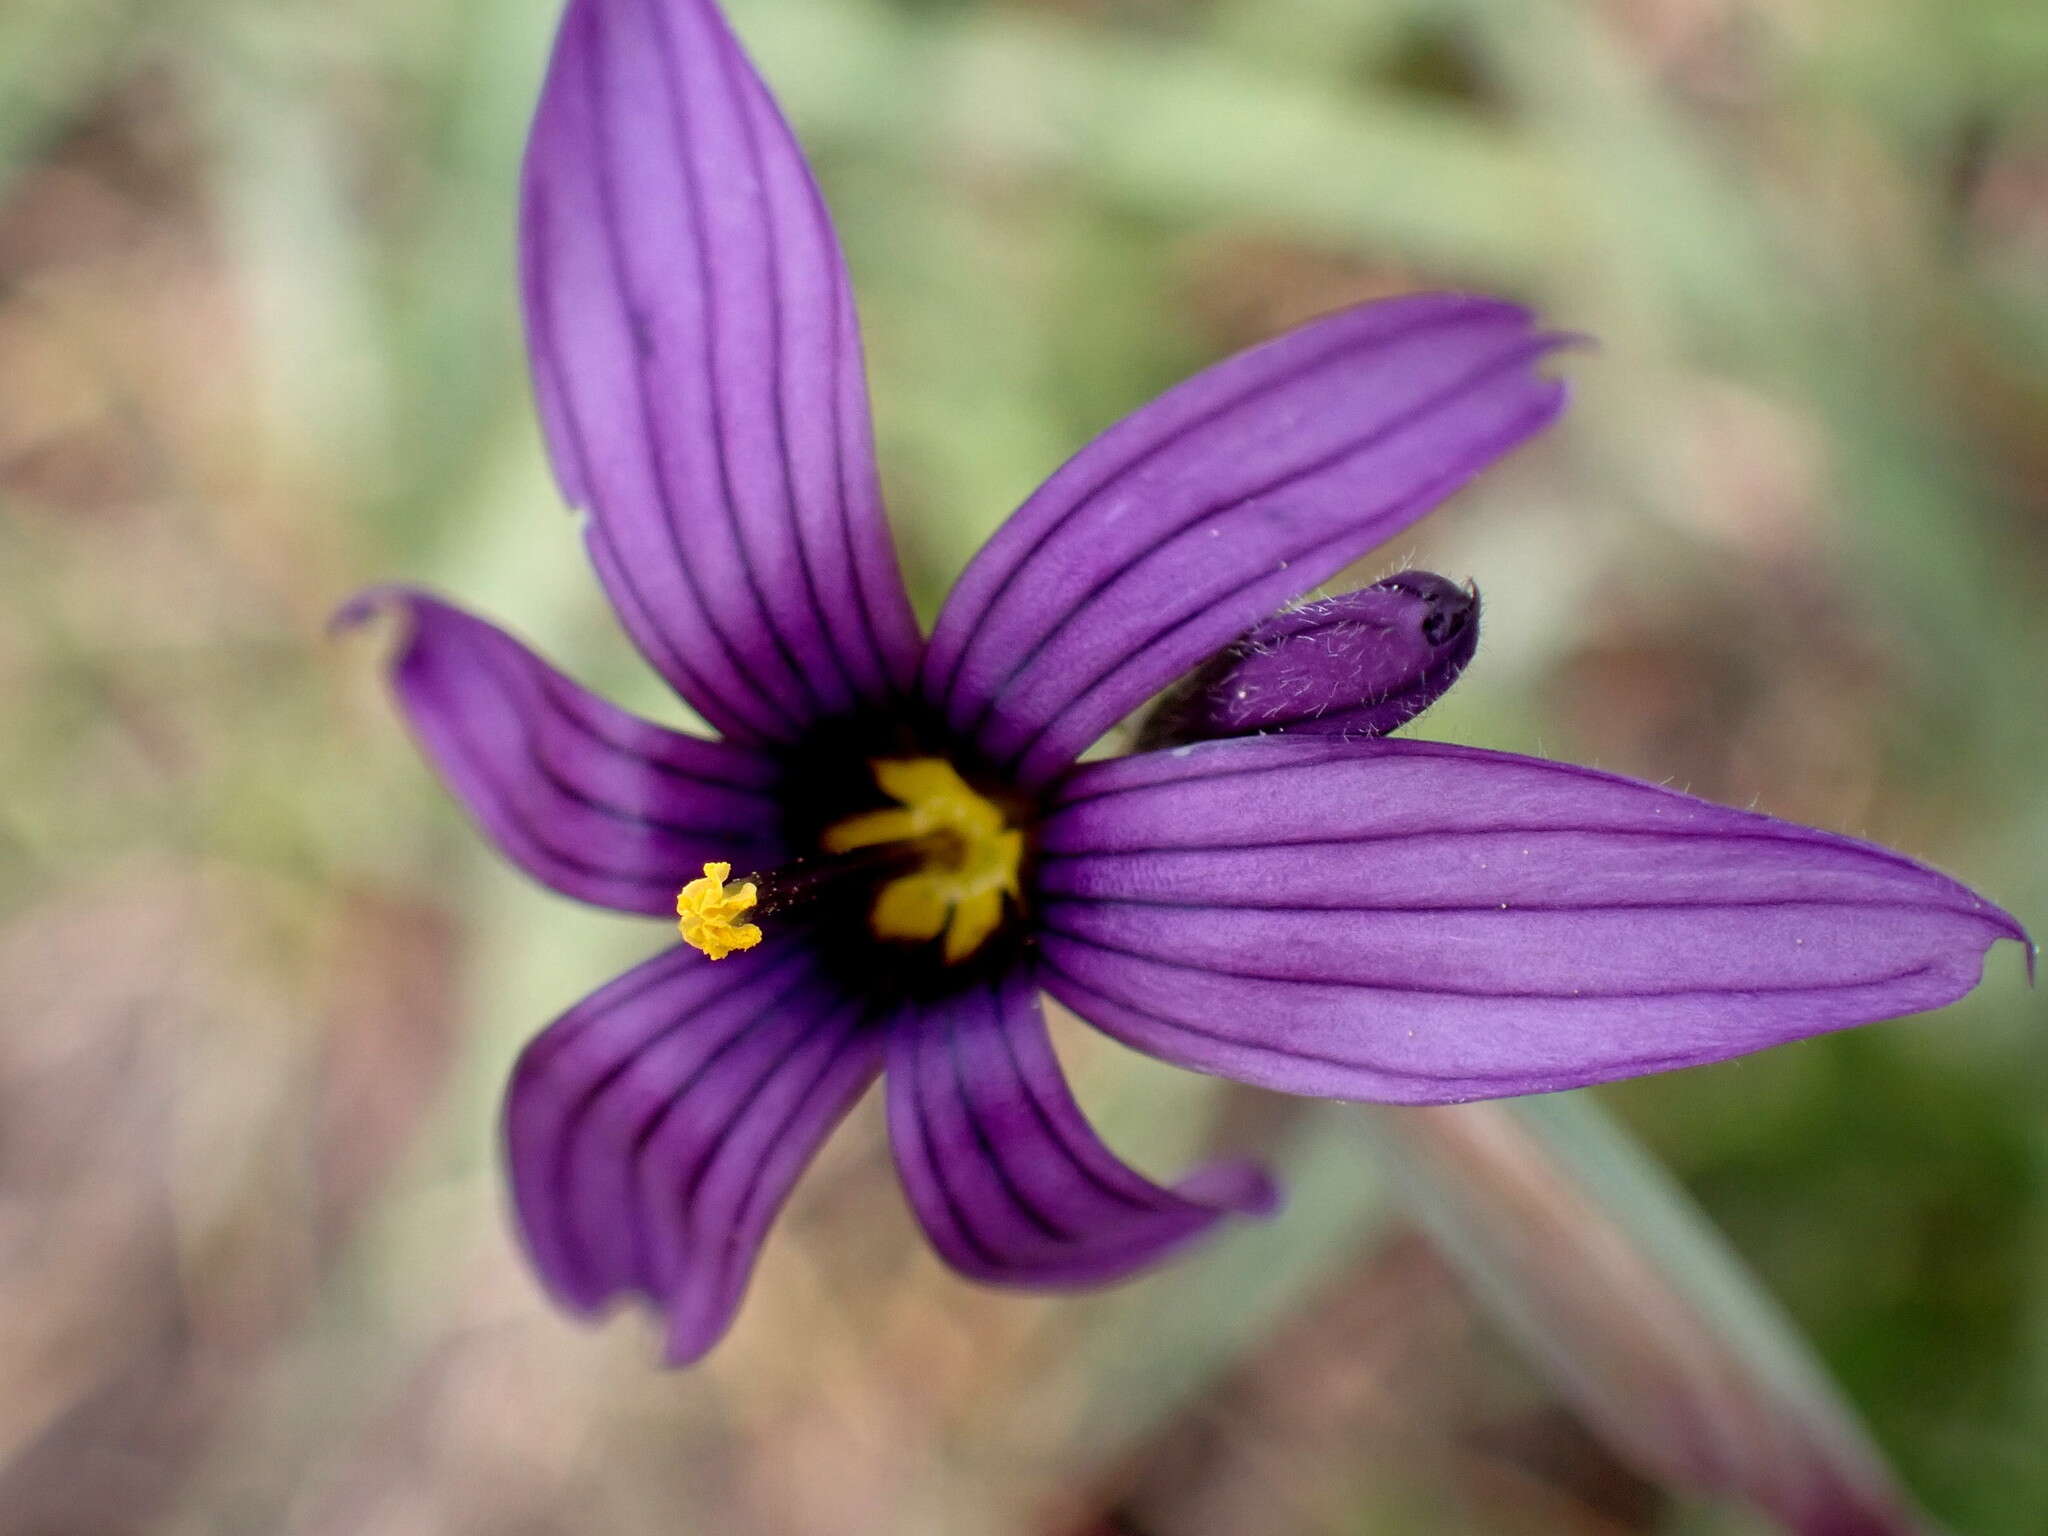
[
  {"x": 697, "y": 366},
  {"x": 566, "y": 1068},
  {"x": 656, "y": 1128},
  {"x": 1011, "y": 1184},
  {"x": 589, "y": 800},
  {"x": 626, "y": 1085},
  {"x": 726, "y": 1156},
  {"x": 1189, "y": 522},
  {"x": 1417, "y": 923}
]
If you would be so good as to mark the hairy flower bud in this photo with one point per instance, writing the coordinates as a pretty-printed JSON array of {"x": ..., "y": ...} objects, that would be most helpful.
[{"x": 1363, "y": 664}]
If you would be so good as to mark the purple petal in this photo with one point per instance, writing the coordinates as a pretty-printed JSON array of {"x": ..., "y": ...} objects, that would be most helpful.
[
  {"x": 698, "y": 370},
  {"x": 1363, "y": 664},
  {"x": 654, "y": 1130},
  {"x": 1187, "y": 523},
  {"x": 589, "y": 800},
  {"x": 1416, "y": 923},
  {"x": 1012, "y": 1185}
]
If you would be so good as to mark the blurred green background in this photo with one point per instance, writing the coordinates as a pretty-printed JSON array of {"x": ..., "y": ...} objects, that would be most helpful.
[{"x": 259, "y": 346}]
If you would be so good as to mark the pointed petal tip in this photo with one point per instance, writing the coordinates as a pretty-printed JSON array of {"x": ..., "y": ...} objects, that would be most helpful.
[
  {"x": 1543, "y": 347},
  {"x": 1545, "y": 341},
  {"x": 394, "y": 601},
  {"x": 1600, "y": 929},
  {"x": 686, "y": 1341},
  {"x": 1571, "y": 341},
  {"x": 587, "y": 1308},
  {"x": 585, "y": 1300},
  {"x": 363, "y": 608},
  {"x": 1237, "y": 1186},
  {"x": 1010, "y": 1182},
  {"x": 2009, "y": 927}
]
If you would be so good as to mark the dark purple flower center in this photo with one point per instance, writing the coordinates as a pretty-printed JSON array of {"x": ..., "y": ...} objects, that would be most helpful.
[
  {"x": 906, "y": 861},
  {"x": 907, "y": 852}
]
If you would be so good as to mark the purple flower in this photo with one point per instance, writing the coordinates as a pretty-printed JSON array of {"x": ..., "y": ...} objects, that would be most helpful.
[{"x": 1321, "y": 913}]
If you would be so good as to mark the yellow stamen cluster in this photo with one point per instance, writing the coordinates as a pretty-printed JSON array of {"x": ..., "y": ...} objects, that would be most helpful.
[
  {"x": 708, "y": 914},
  {"x": 971, "y": 863}
]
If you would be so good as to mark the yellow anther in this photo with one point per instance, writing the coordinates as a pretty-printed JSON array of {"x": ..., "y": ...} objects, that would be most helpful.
[
  {"x": 707, "y": 913},
  {"x": 972, "y": 864}
]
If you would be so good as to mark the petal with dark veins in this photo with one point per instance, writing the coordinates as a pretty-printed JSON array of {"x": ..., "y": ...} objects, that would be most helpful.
[
  {"x": 1012, "y": 1185},
  {"x": 591, "y": 801},
  {"x": 1416, "y": 923},
  {"x": 1198, "y": 516},
  {"x": 698, "y": 369}
]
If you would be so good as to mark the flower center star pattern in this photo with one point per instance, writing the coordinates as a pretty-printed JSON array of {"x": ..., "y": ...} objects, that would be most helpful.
[{"x": 1278, "y": 893}]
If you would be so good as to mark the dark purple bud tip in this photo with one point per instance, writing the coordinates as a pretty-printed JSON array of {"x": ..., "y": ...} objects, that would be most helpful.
[{"x": 1363, "y": 664}]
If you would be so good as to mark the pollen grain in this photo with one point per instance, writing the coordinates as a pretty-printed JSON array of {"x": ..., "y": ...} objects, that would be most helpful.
[{"x": 707, "y": 914}]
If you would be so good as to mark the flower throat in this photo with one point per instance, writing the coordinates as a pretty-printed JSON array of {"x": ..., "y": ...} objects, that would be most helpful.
[{"x": 942, "y": 861}]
